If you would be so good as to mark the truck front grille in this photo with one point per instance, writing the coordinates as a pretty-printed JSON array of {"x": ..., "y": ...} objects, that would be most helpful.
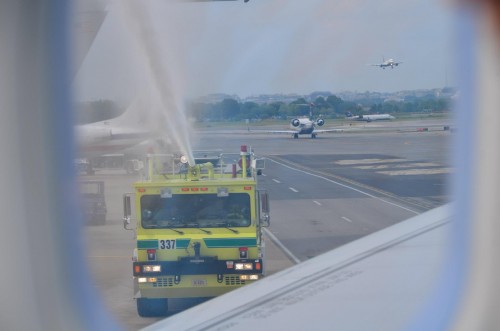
[
  {"x": 234, "y": 280},
  {"x": 164, "y": 282},
  {"x": 169, "y": 281}
]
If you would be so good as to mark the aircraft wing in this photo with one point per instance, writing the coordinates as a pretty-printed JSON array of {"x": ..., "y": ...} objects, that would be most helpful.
[
  {"x": 336, "y": 290},
  {"x": 274, "y": 131},
  {"x": 332, "y": 130},
  {"x": 329, "y": 130}
]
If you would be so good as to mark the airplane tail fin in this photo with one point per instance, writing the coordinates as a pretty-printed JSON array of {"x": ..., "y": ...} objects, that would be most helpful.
[{"x": 139, "y": 115}]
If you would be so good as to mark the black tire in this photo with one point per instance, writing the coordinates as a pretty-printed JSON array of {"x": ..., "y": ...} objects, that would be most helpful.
[{"x": 152, "y": 307}]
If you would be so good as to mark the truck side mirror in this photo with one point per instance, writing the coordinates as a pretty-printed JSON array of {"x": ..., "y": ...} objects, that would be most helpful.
[
  {"x": 127, "y": 211},
  {"x": 265, "y": 219},
  {"x": 259, "y": 165}
]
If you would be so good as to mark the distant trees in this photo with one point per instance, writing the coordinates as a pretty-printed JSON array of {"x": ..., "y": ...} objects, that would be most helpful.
[
  {"x": 329, "y": 107},
  {"x": 414, "y": 106},
  {"x": 229, "y": 109}
]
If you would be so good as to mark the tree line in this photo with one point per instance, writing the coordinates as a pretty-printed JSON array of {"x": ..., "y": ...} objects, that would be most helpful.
[
  {"x": 329, "y": 107},
  {"x": 233, "y": 110}
]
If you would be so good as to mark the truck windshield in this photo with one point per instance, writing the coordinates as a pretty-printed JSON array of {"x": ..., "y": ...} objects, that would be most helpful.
[{"x": 195, "y": 211}]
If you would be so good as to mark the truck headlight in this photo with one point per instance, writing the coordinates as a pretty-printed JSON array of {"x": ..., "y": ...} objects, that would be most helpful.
[
  {"x": 151, "y": 268},
  {"x": 249, "y": 277},
  {"x": 243, "y": 266},
  {"x": 147, "y": 280}
]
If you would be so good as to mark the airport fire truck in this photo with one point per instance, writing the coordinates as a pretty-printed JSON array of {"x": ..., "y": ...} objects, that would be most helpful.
[{"x": 199, "y": 227}]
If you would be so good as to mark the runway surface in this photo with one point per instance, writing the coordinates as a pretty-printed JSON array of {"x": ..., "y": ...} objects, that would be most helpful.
[{"x": 324, "y": 193}]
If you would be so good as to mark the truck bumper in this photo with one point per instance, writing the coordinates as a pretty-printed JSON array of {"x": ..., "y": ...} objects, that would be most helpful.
[{"x": 188, "y": 286}]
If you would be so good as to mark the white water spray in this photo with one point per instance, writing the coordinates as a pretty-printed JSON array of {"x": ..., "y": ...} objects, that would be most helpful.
[{"x": 164, "y": 99}]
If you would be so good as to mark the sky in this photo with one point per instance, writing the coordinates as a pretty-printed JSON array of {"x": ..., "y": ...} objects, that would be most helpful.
[{"x": 267, "y": 46}]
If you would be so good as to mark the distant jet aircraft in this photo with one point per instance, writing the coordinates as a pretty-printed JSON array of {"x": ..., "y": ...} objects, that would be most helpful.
[
  {"x": 305, "y": 125},
  {"x": 387, "y": 63},
  {"x": 369, "y": 118}
]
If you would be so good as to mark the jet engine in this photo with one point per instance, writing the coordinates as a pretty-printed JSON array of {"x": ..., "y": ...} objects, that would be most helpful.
[
  {"x": 320, "y": 122},
  {"x": 295, "y": 122}
]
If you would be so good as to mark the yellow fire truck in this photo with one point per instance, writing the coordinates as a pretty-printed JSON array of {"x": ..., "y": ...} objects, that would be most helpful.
[{"x": 199, "y": 227}]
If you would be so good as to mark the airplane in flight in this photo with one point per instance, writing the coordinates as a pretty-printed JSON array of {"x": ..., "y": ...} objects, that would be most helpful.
[
  {"x": 369, "y": 118},
  {"x": 387, "y": 63}
]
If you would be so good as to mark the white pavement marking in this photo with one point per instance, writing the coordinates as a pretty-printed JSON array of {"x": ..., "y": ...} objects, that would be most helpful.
[
  {"x": 399, "y": 166},
  {"x": 368, "y": 161},
  {"x": 410, "y": 172},
  {"x": 278, "y": 243},
  {"x": 346, "y": 186},
  {"x": 276, "y": 181},
  {"x": 316, "y": 202},
  {"x": 294, "y": 190},
  {"x": 346, "y": 219}
]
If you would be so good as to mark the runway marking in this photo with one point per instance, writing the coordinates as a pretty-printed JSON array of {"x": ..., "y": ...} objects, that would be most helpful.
[
  {"x": 277, "y": 181},
  {"x": 278, "y": 243},
  {"x": 316, "y": 202},
  {"x": 398, "y": 166},
  {"x": 410, "y": 172},
  {"x": 368, "y": 161},
  {"x": 294, "y": 190},
  {"x": 346, "y": 219},
  {"x": 344, "y": 185}
]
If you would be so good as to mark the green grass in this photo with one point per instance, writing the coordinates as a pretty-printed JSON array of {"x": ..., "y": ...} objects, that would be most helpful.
[{"x": 329, "y": 121}]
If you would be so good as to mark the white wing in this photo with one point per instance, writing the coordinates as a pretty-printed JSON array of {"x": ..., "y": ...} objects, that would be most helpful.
[{"x": 397, "y": 266}]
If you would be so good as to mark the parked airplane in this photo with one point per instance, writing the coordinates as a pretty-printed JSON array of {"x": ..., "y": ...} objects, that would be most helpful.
[
  {"x": 129, "y": 136},
  {"x": 387, "y": 63},
  {"x": 116, "y": 134},
  {"x": 369, "y": 118}
]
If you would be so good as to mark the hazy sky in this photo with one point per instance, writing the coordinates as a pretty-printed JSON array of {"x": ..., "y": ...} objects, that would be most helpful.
[{"x": 269, "y": 46}]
